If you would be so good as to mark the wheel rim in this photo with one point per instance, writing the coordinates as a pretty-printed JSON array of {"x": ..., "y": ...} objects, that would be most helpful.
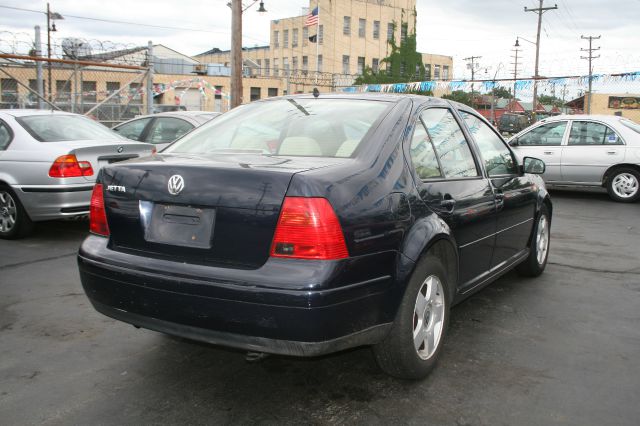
[
  {"x": 8, "y": 212},
  {"x": 428, "y": 317},
  {"x": 625, "y": 185},
  {"x": 542, "y": 239}
]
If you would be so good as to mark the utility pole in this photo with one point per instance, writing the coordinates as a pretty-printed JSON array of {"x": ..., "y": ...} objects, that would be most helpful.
[
  {"x": 590, "y": 58},
  {"x": 540, "y": 10},
  {"x": 49, "y": 53},
  {"x": 150, "y": 78},
  {"x": 471, "y": 63},
  {"x": 39, "y": 80},
  {"x": 236, "y": 53},
  {"x": 515, "y": 74}
]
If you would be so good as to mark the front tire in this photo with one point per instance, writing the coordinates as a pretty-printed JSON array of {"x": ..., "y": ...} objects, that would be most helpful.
[
  {"x": 413, "y": 345},
  {"x": 623, "y": 185},
  {"x": 535, "y": 263},
  {"x": 14, "y": 221}
]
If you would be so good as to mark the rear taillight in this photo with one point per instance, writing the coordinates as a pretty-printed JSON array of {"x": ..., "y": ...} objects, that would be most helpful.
[
  {"x": 97, "y": 214},
  {"x": 68, "y": 166},
  {"x": 308, "y": 228}
]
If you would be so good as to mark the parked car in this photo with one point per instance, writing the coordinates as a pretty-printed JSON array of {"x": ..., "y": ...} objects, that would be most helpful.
[
  {"x": 512, "y": 123},
  {"x": 361, "y": 223},
  {"x": 163, "y": 128},
  {"x": 586, "y": 151},
  {"x": 48, "y": 165}
]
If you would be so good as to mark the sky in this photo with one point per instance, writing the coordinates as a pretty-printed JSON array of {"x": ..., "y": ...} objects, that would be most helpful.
[{"x": 458, "y": 28}]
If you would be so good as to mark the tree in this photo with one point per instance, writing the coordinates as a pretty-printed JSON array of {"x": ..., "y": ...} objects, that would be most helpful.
[
  {"x": 404, "y": 64},
  {"x": 550, "y": 100},
  {"x": 459, "y": 96},
  {"x": 501, "y": 92}
]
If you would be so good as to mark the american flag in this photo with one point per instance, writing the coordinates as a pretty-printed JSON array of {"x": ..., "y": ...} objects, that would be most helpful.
[{"x": 312, "y": 18}]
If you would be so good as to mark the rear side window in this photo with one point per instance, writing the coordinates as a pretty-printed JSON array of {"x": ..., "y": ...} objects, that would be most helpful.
[
  {"x": 550, "y": 134},
  {"x": 451, "y": 147},
  {"x": 590, "y": 133},
  {"x": 166, "y": 129},
  {"x": 5, "y": 136},
  {"x": 495, "y": 154},
  {"x": 423, "y": 154}
]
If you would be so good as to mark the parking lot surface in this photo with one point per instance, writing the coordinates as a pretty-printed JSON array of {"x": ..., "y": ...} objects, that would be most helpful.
[{"x": 563, "y": 348}]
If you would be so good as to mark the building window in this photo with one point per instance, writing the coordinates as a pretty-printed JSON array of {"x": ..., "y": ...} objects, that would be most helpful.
[
  {"x": 390, "y": 29},
  {"x": 346, "y": 26},
  {"x": 294, "y": 39},
  {"x": 217, "y": 99},
  {"x": 305, "y": 64},
  {"x": 259, "y": 62},
  {"x": 404, "y": 28},
  {"x": 267, "y": 67},
  {"x": 376, "y": 30},
  {"x": 427, "y": 71},
  {"x": 375, "y": 63},
  {"x": 445, "y": 72},
  {"x": 345, "y": 64},
  {"x": 319, "y": 63},
  {"x": 362, "y": 28},
  {"x": 305, "y": 36},
  {"x": 285, "y": 38},
  {"x": 9, "y": 91},
  {"x": 255, "y": 93},
  {"x": 63, "y": 90},
  {"x": 33, "y": 85},
  {"x": 285, "y": 65},
  {"x": 436, "y": 72},
  {"x": 276, "y": 71},
  {"x": 272, "y": 91},
  {"x": 276, "y": 38},
  {"x": 320, "y": 34},
  {"x": 294, "y": 63},
  {"x": 112, "y": 87},
  {"x": 360, "y": 65},
  {"x": 89, "y": 91}
]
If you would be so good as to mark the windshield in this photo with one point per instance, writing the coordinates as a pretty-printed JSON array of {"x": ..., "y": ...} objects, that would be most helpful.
[
  {"x": 632, "y": 125},
  {"x": 301, "y": 127},
  {"x": 58, "y": 128}
]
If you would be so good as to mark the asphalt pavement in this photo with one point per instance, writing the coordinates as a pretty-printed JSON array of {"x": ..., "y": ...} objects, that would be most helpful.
[{"x": 562, "y": 349}]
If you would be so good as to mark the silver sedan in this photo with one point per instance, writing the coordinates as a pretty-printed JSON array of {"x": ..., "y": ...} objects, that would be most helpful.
[
  {"x": 586, "y": 151},
  {"x": 48, "y": 165}
]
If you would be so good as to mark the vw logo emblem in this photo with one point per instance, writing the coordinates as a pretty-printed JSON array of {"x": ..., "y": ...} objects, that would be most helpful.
[
  {"x": 175, "y": 185},
  {"x": 120, "y": 149}
]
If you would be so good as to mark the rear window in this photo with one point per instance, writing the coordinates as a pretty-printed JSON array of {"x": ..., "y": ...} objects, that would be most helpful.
[
  {"x": 289, "y": 127},
  {"x": 58, "y": 128},
  {"x": 630, "y": 124}
]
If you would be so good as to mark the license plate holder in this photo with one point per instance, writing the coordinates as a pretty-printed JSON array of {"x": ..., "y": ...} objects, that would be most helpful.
[{"x": 181, "y": 226}]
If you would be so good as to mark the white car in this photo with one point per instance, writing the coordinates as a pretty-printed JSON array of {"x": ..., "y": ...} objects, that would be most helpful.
[
  {"x": 48, "y": 165},
  {"x": 586, "y": 151}
]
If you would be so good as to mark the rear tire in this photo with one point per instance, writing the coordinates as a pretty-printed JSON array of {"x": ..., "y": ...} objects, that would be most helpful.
[
  {"x": 535, "y": 263},
  {"x": 412, "y": 347},
  {"x": 14, "y": 221},
  {"x": 623, "y": 185}
]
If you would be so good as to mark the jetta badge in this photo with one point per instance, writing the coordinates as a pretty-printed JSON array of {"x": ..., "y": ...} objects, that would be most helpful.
[
  {"x": 175, "y": 185},
  {"x": 120, "y": 149}
]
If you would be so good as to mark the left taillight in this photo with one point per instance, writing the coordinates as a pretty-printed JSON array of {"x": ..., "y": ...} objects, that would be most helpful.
[
  {"x": 67, "y": 166},
  {"x": 97, "y": 214}
]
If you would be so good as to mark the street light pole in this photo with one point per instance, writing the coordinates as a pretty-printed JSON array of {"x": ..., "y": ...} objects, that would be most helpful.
[
  {"x": 49, "y": 53},
  {"x": 236, "y": 53}
]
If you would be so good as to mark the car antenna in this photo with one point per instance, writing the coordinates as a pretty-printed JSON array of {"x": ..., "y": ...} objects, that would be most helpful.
[{"x": 316, "y": 92}]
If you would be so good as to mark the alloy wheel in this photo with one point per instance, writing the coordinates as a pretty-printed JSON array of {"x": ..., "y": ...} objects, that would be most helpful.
[
  {"x": 625, "y": 185},
  {"x": 542, "y": 239},
  {"x": 8, "y": 212},
  {"x": 428, "y": 317}
]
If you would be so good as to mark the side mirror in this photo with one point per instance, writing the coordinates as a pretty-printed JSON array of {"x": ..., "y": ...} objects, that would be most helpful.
[{"x": 533, "y": 165}]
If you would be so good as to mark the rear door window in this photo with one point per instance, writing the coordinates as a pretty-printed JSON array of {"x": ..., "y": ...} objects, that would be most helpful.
[
  {"x": 452, "y": 149},
  {"x": 550, "y": 134},
  {"x": 423, "y": 155},
  {"x": 133, "y": 130},
  {"x": 591, "y": 133}
]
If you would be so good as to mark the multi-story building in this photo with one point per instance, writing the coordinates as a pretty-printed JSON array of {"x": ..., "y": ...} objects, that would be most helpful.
[{"x": 349, "y": 36}]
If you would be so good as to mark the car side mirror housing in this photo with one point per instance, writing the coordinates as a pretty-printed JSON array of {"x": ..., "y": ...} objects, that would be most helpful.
[{"x": 533, "y": 165}]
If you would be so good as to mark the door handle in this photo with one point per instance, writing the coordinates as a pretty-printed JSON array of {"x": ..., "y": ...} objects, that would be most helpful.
[
  {"x": 448, "y": 205},
  {"x": 548, "y": 152},
  {"x": 612, "y": 152}
]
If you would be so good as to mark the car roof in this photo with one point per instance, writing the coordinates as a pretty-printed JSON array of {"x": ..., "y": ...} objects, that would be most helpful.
[
  {"x": 598, "y": 117},
  {"x": 26, "y": 112},
  {"x": 375, "y": 96}
]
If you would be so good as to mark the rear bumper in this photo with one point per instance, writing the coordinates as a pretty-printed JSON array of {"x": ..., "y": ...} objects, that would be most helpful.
[
  {"x": 236, "y": 311},
  {"x": 55, "y": 202}
]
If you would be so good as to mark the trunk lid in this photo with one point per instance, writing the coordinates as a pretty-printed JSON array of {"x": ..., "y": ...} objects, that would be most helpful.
[{"x": 223, "y": 210}]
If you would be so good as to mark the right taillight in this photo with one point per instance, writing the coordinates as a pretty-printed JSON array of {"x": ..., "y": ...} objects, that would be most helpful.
[
  {"x": 308, "y": 228},
  {"x": 97, "y": 214},
  {"x": 67, "y": 166}
]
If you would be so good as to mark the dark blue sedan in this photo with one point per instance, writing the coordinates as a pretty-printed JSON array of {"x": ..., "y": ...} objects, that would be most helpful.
[{"x": 307, "y": 225}]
